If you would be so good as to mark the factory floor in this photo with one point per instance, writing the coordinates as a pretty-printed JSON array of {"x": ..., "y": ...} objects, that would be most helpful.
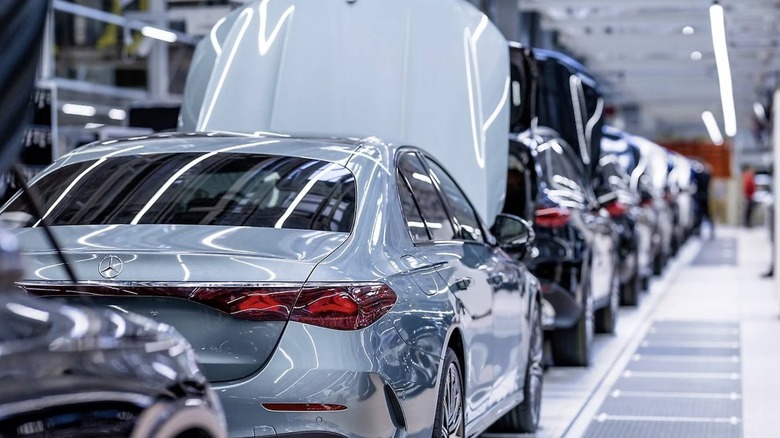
[{"x": 700, "y": 356}]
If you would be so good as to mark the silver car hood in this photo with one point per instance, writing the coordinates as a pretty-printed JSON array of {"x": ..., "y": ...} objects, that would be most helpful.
[{"x": 177, "y": 253}]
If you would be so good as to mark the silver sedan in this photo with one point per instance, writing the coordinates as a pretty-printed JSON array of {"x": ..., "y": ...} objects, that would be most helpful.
[{"x": 335, "y": 287}]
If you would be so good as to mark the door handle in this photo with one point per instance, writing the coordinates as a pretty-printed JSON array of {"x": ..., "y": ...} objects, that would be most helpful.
[{"x": 461, "y": 284}]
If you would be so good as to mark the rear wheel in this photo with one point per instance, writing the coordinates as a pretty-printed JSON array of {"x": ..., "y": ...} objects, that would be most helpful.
[
  {"x": 658, "y": 264},
  {"x": 606, "y": 318},
  {"x": 629, "y": 293},
  {"x": 645, "y": 283},
  {"x": 449, "y": 421},
  {"x": 572, "y": 346},
  {"x": 524, "y": 418}
]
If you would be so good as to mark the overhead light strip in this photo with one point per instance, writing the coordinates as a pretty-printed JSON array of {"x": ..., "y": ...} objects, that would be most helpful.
[
  {"x": 712, "y": 127},
  {"x": 718, "y": 26}
]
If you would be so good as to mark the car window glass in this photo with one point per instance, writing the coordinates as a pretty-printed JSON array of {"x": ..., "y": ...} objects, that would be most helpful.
[
  {"x": 431, "y": 207},
  {"x": 560, "y": 168},
  {"x": 414, "y": 220},
  {"x": 462, "y": 212},
  {"x": 199, "y": 189}
]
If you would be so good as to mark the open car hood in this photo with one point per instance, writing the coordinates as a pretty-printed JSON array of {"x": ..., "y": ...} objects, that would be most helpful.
[{"x": 430, "y": 73}]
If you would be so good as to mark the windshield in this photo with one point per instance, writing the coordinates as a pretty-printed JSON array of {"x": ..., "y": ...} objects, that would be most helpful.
[{"x": 195, "y": 188}]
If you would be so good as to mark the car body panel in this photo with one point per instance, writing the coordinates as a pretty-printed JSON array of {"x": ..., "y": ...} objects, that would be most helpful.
[{"x": 64, "y": 367}]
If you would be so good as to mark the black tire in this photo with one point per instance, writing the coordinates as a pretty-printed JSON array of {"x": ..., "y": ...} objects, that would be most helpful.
[
  {"x": 524, "y": 418},
  {"x": 645, "y": 284},
  {"x": 658, "y": 264},
  {"x": 606, "y": 317},
  {"x": 629, "y": 292},
  {"x": 445, "y": 425},
  {"x": 572, "y": 346}
]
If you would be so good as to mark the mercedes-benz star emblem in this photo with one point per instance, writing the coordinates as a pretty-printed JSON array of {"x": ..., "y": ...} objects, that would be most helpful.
[{"x": 110, "y": 266}]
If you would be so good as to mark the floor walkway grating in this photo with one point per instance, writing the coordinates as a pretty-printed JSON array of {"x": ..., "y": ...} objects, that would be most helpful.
[{"x": 684, "y": 380}]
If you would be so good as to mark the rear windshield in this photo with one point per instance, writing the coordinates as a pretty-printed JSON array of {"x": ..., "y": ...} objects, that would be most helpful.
[{"x": 197, "y": 189}]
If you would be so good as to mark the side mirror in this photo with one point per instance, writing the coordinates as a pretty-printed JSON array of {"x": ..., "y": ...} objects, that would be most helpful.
[{"x": 513, "y": 234}]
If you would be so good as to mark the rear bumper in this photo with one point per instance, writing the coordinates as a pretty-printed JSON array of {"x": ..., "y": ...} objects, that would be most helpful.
[{"x": 363, "y": 371}]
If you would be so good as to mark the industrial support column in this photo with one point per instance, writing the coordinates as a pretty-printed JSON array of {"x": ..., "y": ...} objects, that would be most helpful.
[
  {"x": 157, "y": 70},
  {"x": 776, "y": 188}
]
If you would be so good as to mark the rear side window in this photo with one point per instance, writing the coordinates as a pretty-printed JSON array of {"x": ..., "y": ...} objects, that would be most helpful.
[
  {"x": 461, "y": 210},
  {"x": 431, "y": 206},
  {"x": 198, "y": 189},
  {"x": 561, "y": 168},
  {"x": 414, "y": 220}
]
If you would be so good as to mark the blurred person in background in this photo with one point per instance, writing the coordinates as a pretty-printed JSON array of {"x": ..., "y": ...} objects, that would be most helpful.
[
  {"x": 748, "y": 190},
  {"x": 771, "y": 224},
  {"x": 703, "y": 175}
]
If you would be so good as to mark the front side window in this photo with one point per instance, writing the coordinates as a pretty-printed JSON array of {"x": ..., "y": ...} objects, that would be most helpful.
[
  {"x": 431, "y": 206},
  {"x": 462, "y": 212},
  {"x": 197, "y": 189}
]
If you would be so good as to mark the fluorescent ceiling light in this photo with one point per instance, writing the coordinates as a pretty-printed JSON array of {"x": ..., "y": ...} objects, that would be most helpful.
[
  {"x": 93, "y": 125},
  {"x": 718, "y": 25},
  {"x": 696, "y": 55},
  {"x": 760, "y": 111},
  {"x": 159, "y": 34},
  {"x": 75, "y": 109},
  {"x": 688, "y": 30},
  {"x": 117, "y": 114},
  {"x": 712, "y": 127}
]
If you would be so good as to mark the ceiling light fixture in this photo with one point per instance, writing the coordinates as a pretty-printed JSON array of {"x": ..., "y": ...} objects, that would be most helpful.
[
  {"x": 760, "y": 111},
  {"x": 75, "y": 109},
  {"x": 712, "y": 127},
  {"x": 159, "y": 34},
  {"x": 696, "y": 55},
  {"x": 688, "y": 30},
  {"x": 117, "y": 114},
  {"x": 718, "y": 25}
]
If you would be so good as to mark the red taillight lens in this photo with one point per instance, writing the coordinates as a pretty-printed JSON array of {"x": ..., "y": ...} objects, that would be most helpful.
[
  {"x": 303, "y": 407},
  {"x": 552, "y": 217},
  {"x": 616, "y": 208},
  {"x": 343, "y": 307},
  {"x": 334, "y": 306},
  {"x": 262, "y": 304}
]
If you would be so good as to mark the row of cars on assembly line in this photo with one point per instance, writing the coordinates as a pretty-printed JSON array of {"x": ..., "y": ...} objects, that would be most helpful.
[
  {"x": 609, "y": 209},
  {"x": 397, "y": 282}
]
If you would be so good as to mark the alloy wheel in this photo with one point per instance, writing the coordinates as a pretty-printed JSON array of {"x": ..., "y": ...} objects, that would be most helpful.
[
  {"x": 452, "y": 405},
  {"x": 535, "y": 369},
  {"x": 590, "y": 321}
]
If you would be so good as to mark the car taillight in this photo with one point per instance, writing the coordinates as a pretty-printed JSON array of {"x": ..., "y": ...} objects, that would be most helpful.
[
  {"x": 552, "y": 217},
  {"x": 257, "y": 304},
  {"x": 616, "y": 208},
  {"x": 335, "y": 306},
  {"x": 343, "y": 307}
]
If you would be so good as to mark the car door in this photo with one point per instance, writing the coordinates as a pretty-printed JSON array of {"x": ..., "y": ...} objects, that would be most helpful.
[
  {"x": 497, "y": 276},
  {"x": 601, "y": 235},
  {"x": 459, "y": 269},
  {"x": 502, "y": 277}
]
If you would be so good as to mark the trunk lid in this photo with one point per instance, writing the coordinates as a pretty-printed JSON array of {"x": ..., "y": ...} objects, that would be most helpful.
[{"x": 206, "y": 281}]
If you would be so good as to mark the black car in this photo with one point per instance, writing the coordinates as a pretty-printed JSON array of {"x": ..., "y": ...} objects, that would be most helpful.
[
  {"x": 550, "y": 183},
  {"x": 622, "y": 199}
]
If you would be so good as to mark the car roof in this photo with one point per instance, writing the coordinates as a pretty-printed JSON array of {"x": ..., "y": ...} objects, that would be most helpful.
[
  {"x": 572, "y": 64},
  {"x": 331, "y": 149}
]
